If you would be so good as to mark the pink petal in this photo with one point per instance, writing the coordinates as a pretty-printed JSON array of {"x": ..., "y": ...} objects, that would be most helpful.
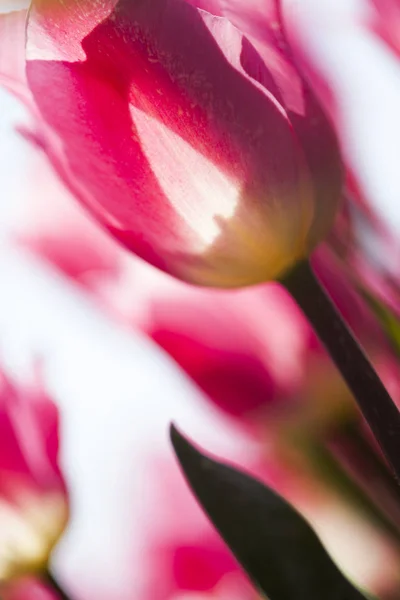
[
  {"x": 12, "y": 457},
  {"x": 183, "y": 549},
  {"x": 29, "y": 589},
  {"x": 33, "y": 497},
  {"x": 385, "y": 21},
  {"x": 212, "y": 6},
  {"x": 340, "y": 284},
  {"x": 201, "y": 567},
  {"x": 185, "y": 554},
  {"x": 238, "y": 383},
  {"x": 269, "y": 59},
  {"x": 58, "y": 230},
  {"x": 249, "y": 371},
  {"x": 28, "y": 440},
  {"x": 12, "y": 54}
]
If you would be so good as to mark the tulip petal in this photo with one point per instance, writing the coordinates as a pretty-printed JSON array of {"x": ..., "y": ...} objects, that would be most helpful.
[
  {"x": 33, "y": 498},
  {"x": 387, "y": 22},
  {"x": 12, "y": 54},
  {"x": 28, "y": 437},
  {"x": 269, "y": 59}
]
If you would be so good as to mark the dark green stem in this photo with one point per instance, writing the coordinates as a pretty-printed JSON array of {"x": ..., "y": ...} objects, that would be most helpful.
[
  {"x": 376, "y": 405},
  {"x": 54, "y": 585}
]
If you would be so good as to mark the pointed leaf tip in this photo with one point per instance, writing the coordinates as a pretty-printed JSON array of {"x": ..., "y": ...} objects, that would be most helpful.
[
  {"x": 174, "y": 433},
  {"x": 183, "y": 448},
  {"x": 277, "y": 548}
]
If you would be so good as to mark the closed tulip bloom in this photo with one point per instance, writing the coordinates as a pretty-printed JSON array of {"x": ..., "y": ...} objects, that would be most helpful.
[
  {"x": 385, "y": 20},
  {"x": 191, "y": 137},
  {"x": 33, "y": 498}
]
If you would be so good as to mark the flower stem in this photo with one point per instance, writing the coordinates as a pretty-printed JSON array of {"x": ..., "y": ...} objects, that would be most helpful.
[
  {"x": 329, "y": 469},
  {"x": 379, "y": 410},
  {"x": 54, "y": 585},
  {"x": 367, "y": 468}
]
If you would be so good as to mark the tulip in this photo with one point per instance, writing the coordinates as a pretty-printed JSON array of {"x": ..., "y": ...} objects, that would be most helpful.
[
  {"x": 194, "y": 142},
  {"x": 33, "y": 499},
  {"x": 385, "y": 21},
  {"x": 184, "y": 558},
  {"x": 183, "y": 549},
  {"x": 251, "y": 371}
]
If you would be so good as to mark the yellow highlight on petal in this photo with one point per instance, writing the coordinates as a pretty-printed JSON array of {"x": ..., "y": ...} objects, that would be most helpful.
[{"x": 29, "y": 531}]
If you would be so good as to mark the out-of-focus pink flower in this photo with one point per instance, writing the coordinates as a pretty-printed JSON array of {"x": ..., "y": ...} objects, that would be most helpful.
[
  {"x": 244, "y": 349},
  {"x": 186, "y": 560},
  {"x": 57, "y": 229},
  {"x": 202, "y": 565},
  {"x": 385, "y": 21},
  {"x": 33, "y": 499},
  {"x": 338, "y": 279},
  {"x": 378, "y": 283},
  {"x": 204, "y": 152},
  {"x": 29, "y": 588},
  {"x": 185, "y": 556}
]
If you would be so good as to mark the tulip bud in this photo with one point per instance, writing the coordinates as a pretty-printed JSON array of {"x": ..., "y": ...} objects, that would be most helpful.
[
  {"x": 198, "y": 147},
  {"x": 384, "y": 19},
  {"x": 33, "y": 500}
]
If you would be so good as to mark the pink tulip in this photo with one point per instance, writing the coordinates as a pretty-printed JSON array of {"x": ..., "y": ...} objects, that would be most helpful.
[
  {"x": 385, "y": 21},
  {"x": 192, "y": 139},
  {"x": 245, "y": 350},
  {"x": 33, "y": 500},
  {"x": 185, "y": 558}
]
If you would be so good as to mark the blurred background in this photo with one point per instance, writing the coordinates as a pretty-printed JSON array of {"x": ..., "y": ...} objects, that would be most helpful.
[{"x": 122, "y": 350}]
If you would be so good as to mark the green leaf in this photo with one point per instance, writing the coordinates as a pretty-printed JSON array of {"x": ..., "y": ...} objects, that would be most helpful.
[{"x": 274, "y": 544}]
